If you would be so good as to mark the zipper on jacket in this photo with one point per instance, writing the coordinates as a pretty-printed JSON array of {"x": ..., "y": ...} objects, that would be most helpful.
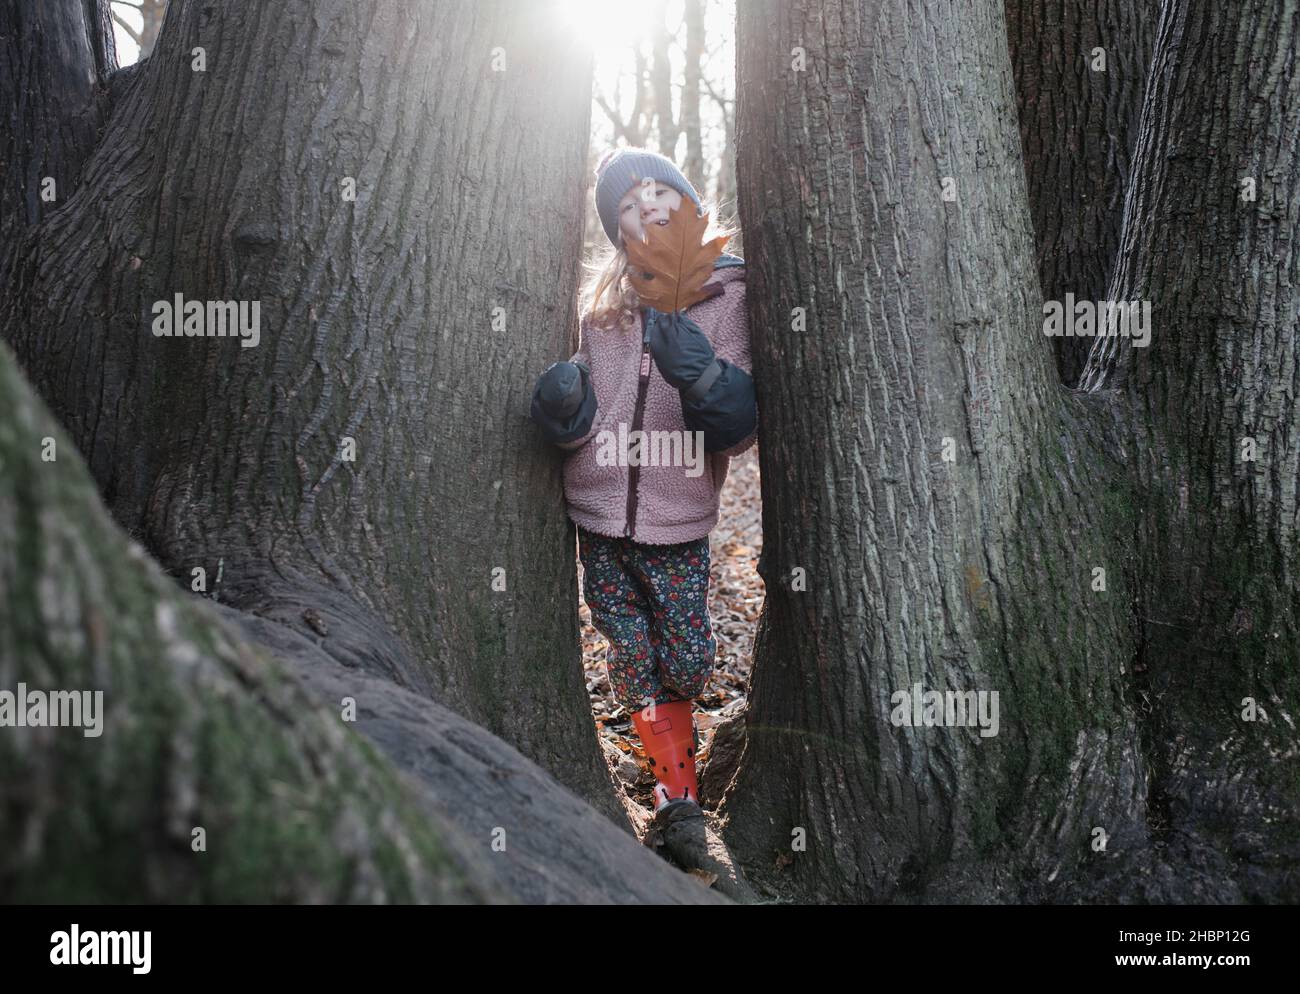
[{"x": 634, "y": 471}]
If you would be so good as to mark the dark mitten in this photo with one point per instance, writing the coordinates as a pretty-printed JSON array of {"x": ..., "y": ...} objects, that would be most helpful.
[
  {"x": 727, "y": 412},
  {"x": 564, "y": 402},
  {"x": 681, "y": 351}
]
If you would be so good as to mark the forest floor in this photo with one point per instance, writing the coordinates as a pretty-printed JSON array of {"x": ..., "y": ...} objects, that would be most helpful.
[{"x": 735, "y": 597}]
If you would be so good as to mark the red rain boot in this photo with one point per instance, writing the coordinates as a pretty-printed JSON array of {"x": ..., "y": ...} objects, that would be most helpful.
[{"x": 669, "y": 742}]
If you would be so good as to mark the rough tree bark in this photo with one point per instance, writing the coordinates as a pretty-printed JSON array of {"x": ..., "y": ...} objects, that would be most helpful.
[
  {"x": 399, "y": 321},
  {"x": 62, "y": 49},
  {"x": 1208, "y": 414},
  {"x": 923, "y": 324},
  {"x": 1077, "y": 128}
]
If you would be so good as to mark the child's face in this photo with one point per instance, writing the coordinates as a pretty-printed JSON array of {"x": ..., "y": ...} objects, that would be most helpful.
[{"x": 645, "y": 204}]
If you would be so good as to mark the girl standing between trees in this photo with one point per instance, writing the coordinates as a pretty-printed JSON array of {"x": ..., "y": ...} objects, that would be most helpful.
[{"x": 643, "y": 529}]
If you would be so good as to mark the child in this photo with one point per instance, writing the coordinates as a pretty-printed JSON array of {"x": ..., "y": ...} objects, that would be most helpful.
[{"x": 643, "y": 521}]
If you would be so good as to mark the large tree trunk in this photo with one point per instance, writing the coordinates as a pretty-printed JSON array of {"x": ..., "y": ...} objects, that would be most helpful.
[
  {"x": 395, "y": 324},
  {"x": 1210, "y": 238},
  {"x": 1078, "y": 122},
  {"x": 924, "y": 324}
]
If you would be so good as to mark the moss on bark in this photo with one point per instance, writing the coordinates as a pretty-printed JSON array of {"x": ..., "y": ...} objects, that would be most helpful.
[{"x": 200, "y": 729}]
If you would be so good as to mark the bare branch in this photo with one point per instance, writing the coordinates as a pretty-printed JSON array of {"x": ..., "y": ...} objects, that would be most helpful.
[
  {"x": 609, "y": 112},
  {"x": 135, "y": 37},
  {"x": 721, "y": 101}
]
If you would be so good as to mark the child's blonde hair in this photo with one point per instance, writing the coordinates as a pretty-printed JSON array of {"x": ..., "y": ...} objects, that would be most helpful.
[{"x": 607, "y": 297}]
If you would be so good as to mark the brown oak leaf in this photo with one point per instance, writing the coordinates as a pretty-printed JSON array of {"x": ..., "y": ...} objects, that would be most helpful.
[{"x": 669, "y": 267}]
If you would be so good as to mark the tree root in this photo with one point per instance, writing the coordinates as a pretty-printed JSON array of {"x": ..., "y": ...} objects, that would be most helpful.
[{"x": 685, "y": 835}]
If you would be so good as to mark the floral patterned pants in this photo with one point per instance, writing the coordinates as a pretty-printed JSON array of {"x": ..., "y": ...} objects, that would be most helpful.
[{"x": 651, "y": 603}]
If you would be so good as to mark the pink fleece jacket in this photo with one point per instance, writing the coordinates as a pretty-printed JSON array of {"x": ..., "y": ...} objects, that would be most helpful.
[{"x": 670, "y": 505}]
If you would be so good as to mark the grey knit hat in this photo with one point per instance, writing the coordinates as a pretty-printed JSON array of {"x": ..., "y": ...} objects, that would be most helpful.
[{"x": 623, "y": 168}]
